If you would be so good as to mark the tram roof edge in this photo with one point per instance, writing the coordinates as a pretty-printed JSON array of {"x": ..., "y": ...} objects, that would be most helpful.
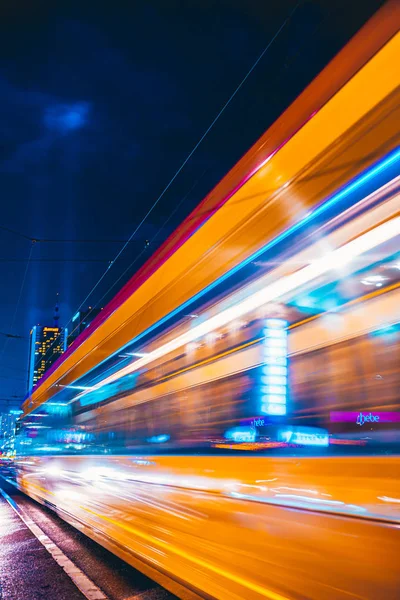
[{"x": 376, "y": 32}]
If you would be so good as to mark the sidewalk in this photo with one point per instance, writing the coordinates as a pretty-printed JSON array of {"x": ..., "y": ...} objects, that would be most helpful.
[{"x": 27, "y": 570}]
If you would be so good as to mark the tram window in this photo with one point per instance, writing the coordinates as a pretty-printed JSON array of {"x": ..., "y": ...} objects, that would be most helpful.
[
  {"x": 304, "y": 371},
  {"x": 366, "y": 361},
  {"x": 346, "y": 378},
  {"x": 360, "y": 375},
  {"x": 386, "y": 378}
]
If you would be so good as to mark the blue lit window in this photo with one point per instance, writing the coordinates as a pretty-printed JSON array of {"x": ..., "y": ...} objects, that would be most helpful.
[{"x": 273, "y": 391}]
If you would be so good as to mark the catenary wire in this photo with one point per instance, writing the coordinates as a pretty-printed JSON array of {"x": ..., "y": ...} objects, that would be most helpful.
[
  {"x": 18, "y": 301},
  {"x": 209, "y": 128}
]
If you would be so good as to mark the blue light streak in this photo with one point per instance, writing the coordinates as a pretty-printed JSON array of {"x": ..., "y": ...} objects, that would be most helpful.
[
  {"x": 362, "y": 180},
  {"x": 370, "y": 174},
  {"x": 305, "y": 436},
  {"x": 241, "y": 434},
  {"x": 158, "y": 439},
  {"x": 272, "y": 393}
]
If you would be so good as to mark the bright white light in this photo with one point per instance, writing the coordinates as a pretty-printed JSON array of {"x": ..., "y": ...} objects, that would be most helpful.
[
  {"x": 53, "y": 471},
  {"x": 375, "y": 280},
  {"x": 273, "y": 409},
  {"x": 273, "y": 380},
  {"x": 279, "y": 390},
  {"x": 272, "y": 398},
  {"x": 275, "y": 343},
  {"x": 275, "y": 333},
  {"x": 268, "y": 351},
  {"x": 211, "y": 338},
  {"x": 276, "y": 324},
  {"x": 192, "y": 347},
  {"x": 76, "y": 387},
  {"x": 286, "y": 435},
  {"x": 269, "y": 293},
  {"x": 274, "y": 370},
  {"x": 277, "y": 360},
  {"x": 236, "y": 325},
  {"x": 241, "y": 434},
  {"x": 309, "y": 439}
]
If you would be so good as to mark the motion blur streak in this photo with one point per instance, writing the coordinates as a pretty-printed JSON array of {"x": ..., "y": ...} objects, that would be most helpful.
[
  {"x": 355, "y": 128},
  {"x": 195, "y": 560},
  {"x": 335, "y": 260},
  {"x": 248, "y": 544},
  {"x": 251, "y": 450}
]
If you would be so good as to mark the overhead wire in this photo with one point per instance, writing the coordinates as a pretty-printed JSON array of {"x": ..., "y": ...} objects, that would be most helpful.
[
  {"x": 18, "y": 233},
  {"x": 144, "y": 250},
  {"x": 183, "y": 164},
  {"x": 136, "y": 259},
  {"x": 166, "y": 188},
  {"x": 55, "y": 260},
  {"x": 17, "y": 303}
]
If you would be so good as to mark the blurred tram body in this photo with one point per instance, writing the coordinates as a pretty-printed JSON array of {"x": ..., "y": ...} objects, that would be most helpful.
[{"x": 250, "y": 449}]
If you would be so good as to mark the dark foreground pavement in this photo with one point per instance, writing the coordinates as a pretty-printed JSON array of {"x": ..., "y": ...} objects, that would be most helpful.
[{"x": 29, "y": 572}]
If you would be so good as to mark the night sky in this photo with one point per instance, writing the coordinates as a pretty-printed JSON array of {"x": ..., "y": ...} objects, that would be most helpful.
[{"x": 100, "y": 105}]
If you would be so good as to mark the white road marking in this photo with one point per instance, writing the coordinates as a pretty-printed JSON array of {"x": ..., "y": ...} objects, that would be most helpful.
[{"x": 82, "y": 582}]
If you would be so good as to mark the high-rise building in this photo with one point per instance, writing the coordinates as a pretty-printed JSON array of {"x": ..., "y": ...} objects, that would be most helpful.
[
  {"x": 46, "y": 345},
  {"x": 81, "y": 320}
]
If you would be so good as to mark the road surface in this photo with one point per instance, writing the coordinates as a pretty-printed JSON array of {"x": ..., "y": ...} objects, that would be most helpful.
[{"x": 44, "y": 558}]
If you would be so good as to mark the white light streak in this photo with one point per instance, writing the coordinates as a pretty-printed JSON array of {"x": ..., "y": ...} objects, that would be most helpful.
[{"x": 337, "y": 258}]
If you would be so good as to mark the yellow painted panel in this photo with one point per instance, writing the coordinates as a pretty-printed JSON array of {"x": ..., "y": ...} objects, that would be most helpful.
[{"x": 371, "y": 85}]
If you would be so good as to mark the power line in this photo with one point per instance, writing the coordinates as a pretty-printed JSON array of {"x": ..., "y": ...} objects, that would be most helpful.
[
  {"x": 77, "y": 241},
  {"x": 39, "y": 240},
  {"x": 145, "y": 248},
  {"x": 291, "y": 61},
  {"x": 17, "y": 233},
  {"x": 18, "y": 300},
  {"x": 166, "y": 188},
  {"x": 209, "y": 128},
  {"x": 177, "y": 207},
  {"x": 55, "y": 260}
]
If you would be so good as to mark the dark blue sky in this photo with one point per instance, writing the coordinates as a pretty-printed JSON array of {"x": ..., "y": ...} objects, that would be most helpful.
[{"x": 99, "y": 107}]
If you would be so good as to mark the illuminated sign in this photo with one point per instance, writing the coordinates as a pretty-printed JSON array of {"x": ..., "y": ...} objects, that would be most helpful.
[
  {"x": 274, "y": 376},
  {"x": 241, "y": 434},
  {"x": 50, "y": 329},
  {"x": 254, "y": 422},
  {"x": 361, "y": 418},
  {"x": 304, "y": 436}
]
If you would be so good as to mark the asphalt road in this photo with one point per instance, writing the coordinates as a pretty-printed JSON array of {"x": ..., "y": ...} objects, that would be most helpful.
[{"x": 28, "y": 571}]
